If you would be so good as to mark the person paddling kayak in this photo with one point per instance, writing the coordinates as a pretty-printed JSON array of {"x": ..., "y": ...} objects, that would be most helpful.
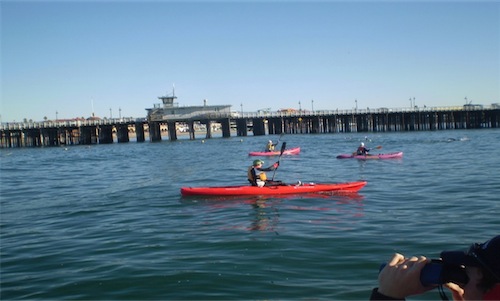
[
  {"x": 257, "y": 175},
  {"x": 270, "y": 146},
  {"x": 362, "y": 150}
]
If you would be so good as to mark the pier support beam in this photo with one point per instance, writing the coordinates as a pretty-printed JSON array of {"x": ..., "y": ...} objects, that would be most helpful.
[
  {"x": 122, "y": 133},
  {"x": 208, "y": 125},
  {"x": 259, "y": 128},
  {"x": 226, "y": 128},
  {"x": 17, "y": 139},
  {"x": 88, "y": 135},
  {"x": 191, "y": 130},
  {"x": 172, "y": 131},
  {"x": 32, "y": 137},
  {"x": 49, "y": 137},
  {"x": 5, "y": 139},
  {"x": 105, "y": 134},
  {"x": 139, "y": 132},
  {"x": 241, "y": 127},
  {"x": 315, "y": 125},
  {"x": 275, "y": 126},
  {"x": 154, "y": 132}
]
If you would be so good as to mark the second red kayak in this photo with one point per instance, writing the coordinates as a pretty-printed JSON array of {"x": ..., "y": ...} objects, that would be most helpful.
[
  {"x": 273, "y": 190},
  {"x": 369, "y": 157},
  {"x": 291, "y": 151}
]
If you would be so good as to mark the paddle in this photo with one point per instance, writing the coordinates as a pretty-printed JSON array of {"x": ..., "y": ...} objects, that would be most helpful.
[
  {"x": 283, "y": 146},
  {"x": 377, "y": 147},
  {"x": 277, "y": 143}
]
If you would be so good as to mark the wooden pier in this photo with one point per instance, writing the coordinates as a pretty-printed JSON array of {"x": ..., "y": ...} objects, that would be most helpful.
[{"x": 86, "y": 132}]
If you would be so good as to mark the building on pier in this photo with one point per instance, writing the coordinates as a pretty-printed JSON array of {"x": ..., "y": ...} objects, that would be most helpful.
[
  {"x": 170, "y": 113},
  {"x": 170, "y": 110}
]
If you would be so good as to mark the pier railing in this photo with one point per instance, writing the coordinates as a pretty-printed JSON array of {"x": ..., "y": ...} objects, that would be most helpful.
[{"x": 68, "y": 123}]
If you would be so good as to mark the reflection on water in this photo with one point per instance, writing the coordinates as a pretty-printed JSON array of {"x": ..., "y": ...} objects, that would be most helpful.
[
  {"x": 231, "y": 200},
  {"x": 367, "y": 166},
  {"x": 340, "y": 208},
  {"x": 266, "y": 216}
]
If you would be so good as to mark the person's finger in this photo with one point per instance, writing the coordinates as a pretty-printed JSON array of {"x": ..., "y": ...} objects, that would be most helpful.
[
  {"x": 396, "y": 259},
  {"x": 456, "y": 291},
  {"x": 416, "y": 261}
]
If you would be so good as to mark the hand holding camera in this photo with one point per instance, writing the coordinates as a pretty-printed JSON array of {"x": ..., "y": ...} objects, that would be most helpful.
[
  {"x": 436, "y": 272},
  {"x": 400, "y": 277},
  {"x": 480, "y": 265}
]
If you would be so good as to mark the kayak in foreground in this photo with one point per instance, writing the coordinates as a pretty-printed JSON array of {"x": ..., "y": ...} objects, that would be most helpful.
[
  {"x": 291, "y": 151},
  {"x": 274, "y": 190},
  {"x": 368, "y": 157}
]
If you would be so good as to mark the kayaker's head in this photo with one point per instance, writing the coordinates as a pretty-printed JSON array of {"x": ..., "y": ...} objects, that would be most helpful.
[
  {"x": 270, "y": 142},
  {"x": 362, "y": 144},
  {"x": 257, "y": 162}
]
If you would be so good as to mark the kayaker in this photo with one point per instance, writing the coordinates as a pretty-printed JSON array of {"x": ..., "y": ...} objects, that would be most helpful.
[
  {"x": 257, "y": 175},
  {"x": 270, "y": 146},
  {"x": 479, "y": 268},
  {"x": 362, "y": 150}
]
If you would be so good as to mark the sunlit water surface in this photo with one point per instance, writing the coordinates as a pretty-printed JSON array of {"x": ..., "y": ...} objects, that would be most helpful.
[{"x": 106, "y": 222}]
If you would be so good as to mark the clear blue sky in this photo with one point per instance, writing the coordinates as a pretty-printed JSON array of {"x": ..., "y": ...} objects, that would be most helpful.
[{"x": 65, "y": 56}]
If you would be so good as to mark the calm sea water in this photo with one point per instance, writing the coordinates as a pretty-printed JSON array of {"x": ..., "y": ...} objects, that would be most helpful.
[{"x": 107, "y": 222}]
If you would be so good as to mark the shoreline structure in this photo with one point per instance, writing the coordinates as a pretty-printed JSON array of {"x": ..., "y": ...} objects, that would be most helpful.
[
  {"x": 210, "y": 124},
  {"x": 169, "y": 119}
]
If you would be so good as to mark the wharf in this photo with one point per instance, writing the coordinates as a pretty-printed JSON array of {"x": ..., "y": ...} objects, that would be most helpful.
[{"x": 105, "y": 131}]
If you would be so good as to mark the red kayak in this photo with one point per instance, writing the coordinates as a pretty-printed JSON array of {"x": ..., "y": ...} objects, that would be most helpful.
[
  {"x": 369, "y": 157},
  {"x": 273, "y": 190},
  {"x": 291, "y": 151}
]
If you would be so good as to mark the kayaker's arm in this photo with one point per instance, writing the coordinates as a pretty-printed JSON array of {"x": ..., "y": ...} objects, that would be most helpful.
[{"x": 270, "y": 168}]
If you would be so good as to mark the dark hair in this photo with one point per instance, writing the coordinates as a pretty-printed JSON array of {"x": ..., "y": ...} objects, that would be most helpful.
[
  {"x": 486, "y": 255},
  {"x": 483, "y": 256}
]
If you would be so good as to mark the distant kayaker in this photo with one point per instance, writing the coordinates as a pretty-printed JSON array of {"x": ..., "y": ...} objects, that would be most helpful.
[
  {"x": 270, "y": 146},
  {"x": 362, "y": 150},
  {"x": 257, "y": 175}
]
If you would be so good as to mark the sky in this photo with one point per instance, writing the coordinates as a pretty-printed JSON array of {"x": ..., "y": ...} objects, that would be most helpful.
[{"x": 68, "y": 59}]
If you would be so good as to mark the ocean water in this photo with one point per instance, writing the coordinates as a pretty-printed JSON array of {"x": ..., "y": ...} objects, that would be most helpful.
[{"x": 107, "y": 222}]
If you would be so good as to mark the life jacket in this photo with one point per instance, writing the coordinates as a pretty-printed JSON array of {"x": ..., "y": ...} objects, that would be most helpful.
[
  {"x": 361, "y": 150},
  {"x": 250, "y": 176},
  {"x": 253, "y": 176}
]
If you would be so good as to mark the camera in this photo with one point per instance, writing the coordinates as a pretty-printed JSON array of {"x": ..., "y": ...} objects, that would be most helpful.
[{"x": 437, "y": 272}]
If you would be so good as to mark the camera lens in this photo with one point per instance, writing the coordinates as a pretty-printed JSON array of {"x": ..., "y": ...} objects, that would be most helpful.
[
  {"x": 437, "y": 272},
  {"x": 455, "y": 274}
]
